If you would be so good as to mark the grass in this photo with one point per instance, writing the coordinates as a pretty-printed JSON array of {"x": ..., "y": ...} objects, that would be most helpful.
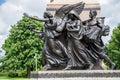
[{"x": 8, "y": 78}]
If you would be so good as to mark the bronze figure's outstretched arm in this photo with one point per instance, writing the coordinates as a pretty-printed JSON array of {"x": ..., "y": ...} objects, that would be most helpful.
[
  {"x": 62, "y": 25},
  {"x": 37, "y": 19},
  {"x": 32, "y": 29}
]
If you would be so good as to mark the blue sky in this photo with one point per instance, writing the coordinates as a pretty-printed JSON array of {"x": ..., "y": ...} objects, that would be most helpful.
[
  {"x": 12, "y": 10},
  {"x": 2, "y": 1}
]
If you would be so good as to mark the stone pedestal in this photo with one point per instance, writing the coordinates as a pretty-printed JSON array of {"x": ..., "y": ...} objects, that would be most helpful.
[
  {"x": 89, "y": 5},
  {"x": 76, "y": 75}
]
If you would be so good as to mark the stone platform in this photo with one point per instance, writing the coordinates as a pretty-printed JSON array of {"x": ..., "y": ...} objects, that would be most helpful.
[{"x": 76, "y": 75}]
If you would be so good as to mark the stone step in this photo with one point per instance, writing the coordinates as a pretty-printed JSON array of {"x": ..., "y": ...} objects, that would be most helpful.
[
  {"x": 78, "y": 78},
  {"x": 76, "y": 75}
]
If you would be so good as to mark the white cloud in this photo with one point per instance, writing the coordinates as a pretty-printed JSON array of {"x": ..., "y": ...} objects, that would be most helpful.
[
  {"x": 3, "y": 28},
  {"x": 2, "y": 39},
  {"x": 12, "y": 10},
  {"x": 103, "y": 1}
]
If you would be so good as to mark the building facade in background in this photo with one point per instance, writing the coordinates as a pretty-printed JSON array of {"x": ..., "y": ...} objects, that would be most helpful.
[{"x": 55, "y": 4}]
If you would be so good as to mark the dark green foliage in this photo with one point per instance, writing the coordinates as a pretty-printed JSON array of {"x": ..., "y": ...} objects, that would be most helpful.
[
  {"x": 18, "y": 73},
  {"x": 13, "y": 74},
  {"x": 21, "y": 46},
  {"x": 3, "y": 73},
  {"x": 22, "y": 73},
  {"x": 113, "y": 48}
]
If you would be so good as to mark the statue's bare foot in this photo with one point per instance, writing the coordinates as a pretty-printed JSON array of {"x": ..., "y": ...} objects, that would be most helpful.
[
  {"x": 68, "y": 67},
  {"x": 90, "y": 66},
  {"x": 112, "y": 66},
  {"x": 46, "y": 67}
]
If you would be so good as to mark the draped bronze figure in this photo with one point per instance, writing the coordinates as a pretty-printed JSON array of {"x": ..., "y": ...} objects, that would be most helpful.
[{"x": 69, "y": 42}]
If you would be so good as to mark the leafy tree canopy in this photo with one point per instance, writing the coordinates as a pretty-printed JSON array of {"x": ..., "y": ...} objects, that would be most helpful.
[
  {"x": 113, "y": 48},
  {"x": 21, "y": 46}
]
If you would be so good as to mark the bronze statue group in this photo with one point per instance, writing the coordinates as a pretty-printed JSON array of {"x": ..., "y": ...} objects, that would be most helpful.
[{"x": 70, "y": 43}]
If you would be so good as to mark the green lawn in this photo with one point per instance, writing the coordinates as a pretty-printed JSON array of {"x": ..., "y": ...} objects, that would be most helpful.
[{"x": 8, "y": 78}]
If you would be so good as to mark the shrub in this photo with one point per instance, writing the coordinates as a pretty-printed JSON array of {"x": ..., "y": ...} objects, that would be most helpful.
[
  {"x": 13, "y": 74},
  {"x": 3, "y": 73},
  {"x": 22, "y": 73}
]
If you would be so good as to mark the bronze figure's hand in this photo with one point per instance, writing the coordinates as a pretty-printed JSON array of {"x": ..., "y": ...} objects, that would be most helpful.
[{"x": 25, "y": 14}]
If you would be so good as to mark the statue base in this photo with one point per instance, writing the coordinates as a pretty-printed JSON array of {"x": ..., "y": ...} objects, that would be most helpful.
[{"x": 76, "y": 75}]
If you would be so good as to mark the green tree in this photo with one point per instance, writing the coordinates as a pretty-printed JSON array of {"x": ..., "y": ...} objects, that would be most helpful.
[
  {"x": 113, "y": 48},
  {"x": 21, "y": 45}
]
